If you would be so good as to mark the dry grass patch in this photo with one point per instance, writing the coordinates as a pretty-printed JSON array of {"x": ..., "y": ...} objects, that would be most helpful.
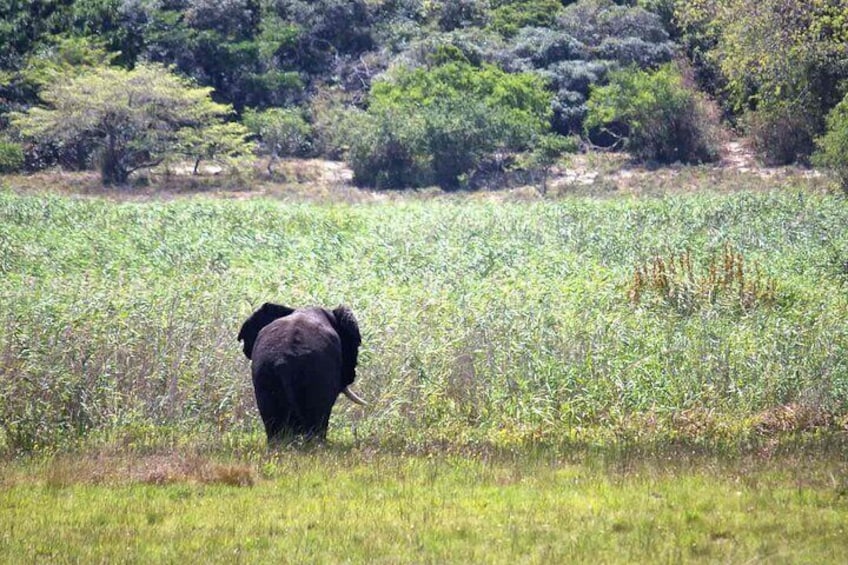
[
  {"x": 68, "y": 470},
  {"x": 793, "y": 417}
]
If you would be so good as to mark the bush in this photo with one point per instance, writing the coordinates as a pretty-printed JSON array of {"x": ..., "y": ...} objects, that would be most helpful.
[
  {"x": 628, "y": 51},
  {"x": 573, "y": 81},
  {"x": 628, "y": 35},
  {"x": 509, "y": 16},
  {"x": 780, "y": 134},
  {"x": 328, "y": 32},
  {"x": 548, "y": 150},
  {"x": 281, "y": 131},
  {"x": 11, "y": 156},
  {"x": 569, "y": 112},
  {"x": 455, "y": 14},
  {"x": 387, "y": 149},
  {"x": 545, "y": 46},
  {"x": 432, "y": 126},
  {"x": 832, "y": 147},
  {"x": 465, "y": 45},
  {"x": 658, "y": 116},
  {"x": 334, "y": 122},
  {"x": 578, "y": 76}
]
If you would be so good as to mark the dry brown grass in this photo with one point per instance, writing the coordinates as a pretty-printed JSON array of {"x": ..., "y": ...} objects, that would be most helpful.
[
  {"x": 165, "y": 468},
  {"x": 593, "y": 174},
  {"x": 310, "y": 180},
  {"x": 792, "y": 417},
  {"x": 686, "y": 286}
]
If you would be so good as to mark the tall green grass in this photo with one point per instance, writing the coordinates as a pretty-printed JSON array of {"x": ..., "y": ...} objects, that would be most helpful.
[{"x": 483, "y": 323}]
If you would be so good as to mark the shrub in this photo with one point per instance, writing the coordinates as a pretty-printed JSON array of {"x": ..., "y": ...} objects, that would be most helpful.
[
  {"x": 569, "y": 112},
  {"x": 328, "y": 30},
  {"x": 624, "y": 34},
  {"x": 455, "y": 14},
  {"x": 474, "y": 46},
  {"x": 545, "y": 46},
  {"x": 573, "y": 80},
  {"x": 548, "y": 150},
  {"x": 509, "y": 16},
  {"x": 660, "y": 118},
  {"x": 428, "y": 126},
  {"x": 780, "y": 134},
  {"x": 832, "y": 147},
  {"x": 333, "y": 122},
  {"x": 628, "y": 51},
  {"x": 386, "y": 149},
  {"x": 578, "y": 76},
  {"x": 11, "y": 156},
  {"x": 281, "y": 132}
]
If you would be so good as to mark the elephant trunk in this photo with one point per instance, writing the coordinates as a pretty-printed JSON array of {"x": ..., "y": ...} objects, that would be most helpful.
[{"x": 353, "y": 396}]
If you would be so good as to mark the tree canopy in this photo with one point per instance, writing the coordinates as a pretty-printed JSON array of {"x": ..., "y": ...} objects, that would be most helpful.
[
  {"x": 434, "y": 125},
  {"x": 401, "y": 88},
  {"x": 134, "y": 119}
]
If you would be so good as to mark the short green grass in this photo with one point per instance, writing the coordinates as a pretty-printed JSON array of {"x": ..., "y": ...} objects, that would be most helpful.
[{"x": 332, "y": 507}]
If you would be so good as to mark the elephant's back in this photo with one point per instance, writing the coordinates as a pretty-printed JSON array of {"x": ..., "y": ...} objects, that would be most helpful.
[{"x": 301, "y": 335}]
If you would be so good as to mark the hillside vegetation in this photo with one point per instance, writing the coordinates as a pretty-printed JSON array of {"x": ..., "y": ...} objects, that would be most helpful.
[{"x": 417, "y": 93}]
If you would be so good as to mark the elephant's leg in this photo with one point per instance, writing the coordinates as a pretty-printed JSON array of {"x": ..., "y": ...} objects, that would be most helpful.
[
  {"x": 316, "y": 428},
  {"x": 311, "y": 402},
  {"x": 275, "y": 412},
  {"x": 325, "y": 424}
]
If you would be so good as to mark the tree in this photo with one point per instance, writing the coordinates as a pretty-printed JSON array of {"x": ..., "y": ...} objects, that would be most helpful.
[
  {"x": 547, "y": 151},
  {"x": 63, "y": 56},
  {"x": 832, "y": 147},
  {"x": 281, "y": 131},
  {"x": 135, "y": 118},
  {"x": 222, "y": 143},
  {"x": 508, "y": 16},
  {"x": 656, "y": 115},
  {"x": 781, "y": 60},
  {"x": 435, "y": 125}
]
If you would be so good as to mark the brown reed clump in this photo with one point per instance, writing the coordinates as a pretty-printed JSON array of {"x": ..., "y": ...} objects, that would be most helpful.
[{"x": 726, "y": 279}]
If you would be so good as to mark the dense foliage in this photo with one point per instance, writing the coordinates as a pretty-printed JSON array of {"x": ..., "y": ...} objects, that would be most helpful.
[
  {"x": 655, "y": 116},
  {"x": 11, "y": 156},
  {"x": 280, "y": 131},
  {"x": 132, "y": 119},
  {"x": 781, "y": 63},
  {"x": 833, "y": 146},
  {"x": 433, "y": 126},
  {"x": 290, "y": 56}
]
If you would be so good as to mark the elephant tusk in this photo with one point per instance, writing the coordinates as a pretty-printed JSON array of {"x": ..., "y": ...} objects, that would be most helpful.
[{"x": 354, "y": 397}]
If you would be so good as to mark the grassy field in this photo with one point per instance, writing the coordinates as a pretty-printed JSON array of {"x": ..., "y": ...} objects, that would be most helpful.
[
  {"x": 331, "y": 507},
  {"x": 704, "y": 318},
  {"x": 656, "y": 378}
]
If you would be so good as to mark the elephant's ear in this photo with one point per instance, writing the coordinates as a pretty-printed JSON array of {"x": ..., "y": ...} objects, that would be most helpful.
[
  {"x": 351, "y": 339},
  {"x": 266, "y": 314}
]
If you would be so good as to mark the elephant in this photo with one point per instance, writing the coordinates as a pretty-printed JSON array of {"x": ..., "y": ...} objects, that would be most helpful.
[{"x": 301, "y": 359}]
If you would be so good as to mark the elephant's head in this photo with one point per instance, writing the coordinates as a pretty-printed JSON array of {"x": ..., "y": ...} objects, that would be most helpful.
[
  {"x": 258, "y": 320},
  {"x": 348, "y": 330}
]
